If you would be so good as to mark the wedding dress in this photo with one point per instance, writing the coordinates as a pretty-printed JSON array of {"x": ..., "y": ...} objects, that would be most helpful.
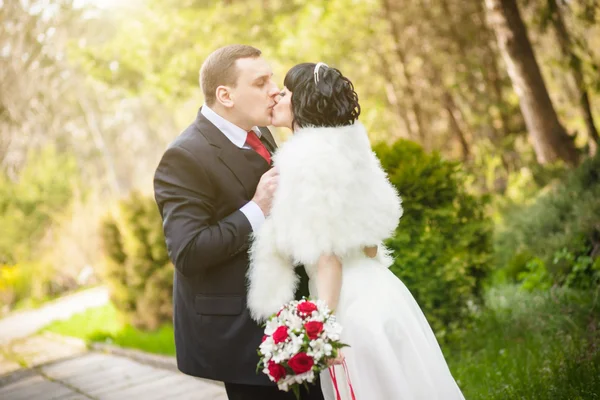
[
  {"x": 393, "y": 352},
  {"x": 334, "y": 198}
]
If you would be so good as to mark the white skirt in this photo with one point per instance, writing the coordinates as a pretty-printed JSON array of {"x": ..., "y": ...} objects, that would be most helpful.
[{"x": 393, "y": 353}]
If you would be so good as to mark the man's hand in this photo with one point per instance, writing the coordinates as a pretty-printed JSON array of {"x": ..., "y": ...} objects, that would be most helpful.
[{"x": 265, "y": 190}]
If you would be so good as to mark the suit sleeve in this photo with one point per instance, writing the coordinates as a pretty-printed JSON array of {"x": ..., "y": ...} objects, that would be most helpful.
[{"x": 186, "y": 200}]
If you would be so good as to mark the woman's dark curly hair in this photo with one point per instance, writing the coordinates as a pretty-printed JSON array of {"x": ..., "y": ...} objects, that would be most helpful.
[{"x": 330, "y": 102}]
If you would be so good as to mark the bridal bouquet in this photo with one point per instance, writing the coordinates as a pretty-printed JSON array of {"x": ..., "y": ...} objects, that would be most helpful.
[{"x": 299, "y": 342}]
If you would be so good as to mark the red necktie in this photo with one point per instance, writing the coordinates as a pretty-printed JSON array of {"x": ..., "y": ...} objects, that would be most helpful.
[{"x": 254, "y": 142}]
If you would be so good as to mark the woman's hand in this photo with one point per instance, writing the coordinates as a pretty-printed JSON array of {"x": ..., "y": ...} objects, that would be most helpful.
[{"x": 336, "y": 361}]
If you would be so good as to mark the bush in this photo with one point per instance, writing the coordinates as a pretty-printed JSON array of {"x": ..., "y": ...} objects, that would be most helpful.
[
  {"x": 29, "y": 207},
  {"x": 443, "y": 242},
  {"x": 560, "y": 229},
  {"x": 29, "y": 204},
  {"x": 138, "y": 270}
]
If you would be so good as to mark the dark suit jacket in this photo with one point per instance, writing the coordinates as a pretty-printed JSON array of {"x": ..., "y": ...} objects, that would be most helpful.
[{"x": 200, "y": 184}]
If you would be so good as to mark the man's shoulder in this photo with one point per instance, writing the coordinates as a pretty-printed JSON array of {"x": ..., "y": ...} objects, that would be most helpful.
[
  {"x": 192, "y": 145},
  {"x": 190, "y": 139}
]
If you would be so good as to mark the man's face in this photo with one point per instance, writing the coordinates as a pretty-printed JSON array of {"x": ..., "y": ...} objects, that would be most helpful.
[{"x": 254, "y": 95}]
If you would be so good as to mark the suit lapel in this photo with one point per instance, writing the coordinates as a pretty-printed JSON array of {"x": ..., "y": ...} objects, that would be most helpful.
[
  {"x": 228, "y": 153},
  {"x": 267, "y": 139}
]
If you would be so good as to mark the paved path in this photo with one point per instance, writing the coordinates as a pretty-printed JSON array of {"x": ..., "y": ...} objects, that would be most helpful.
[
  {"x": 105, "y": 377},
  {"x": 25, "y": 323},
  {"x": 47, "y": 366},
  {"x": 58, "y": 368}
]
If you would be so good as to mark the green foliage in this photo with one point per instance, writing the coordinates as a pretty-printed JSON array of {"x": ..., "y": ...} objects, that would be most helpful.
[
  {"x": 560, "y": 231},
  {"x": 159, "y": 50},
  {"x": 442, "y": 244},
  {"x": 138, "y": 269},
  {"x": 29, "y": 204},
  {"x": 535, "y": 276},
  {"x": 28, "y": 208},
  {"x": 530, "y": 345},
  {"x": 584, "y": 271}
]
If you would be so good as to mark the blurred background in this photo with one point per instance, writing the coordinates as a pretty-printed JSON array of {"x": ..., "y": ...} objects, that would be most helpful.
[{"x": 485, "y": 114}]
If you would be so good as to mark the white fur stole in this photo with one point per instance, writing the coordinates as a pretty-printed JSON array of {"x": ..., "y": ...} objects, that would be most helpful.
[{"x": 333, "y": 198}]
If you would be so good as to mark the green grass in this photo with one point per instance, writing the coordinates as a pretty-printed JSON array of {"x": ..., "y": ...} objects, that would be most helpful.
[
  {"x": 523, "y": 346},
  {"x": 531, "y": 346},
  {"x": 104, "y": 325}
]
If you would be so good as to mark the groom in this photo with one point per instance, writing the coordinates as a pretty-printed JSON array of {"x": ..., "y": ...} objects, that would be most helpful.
[{"x": 213, "y": 187}]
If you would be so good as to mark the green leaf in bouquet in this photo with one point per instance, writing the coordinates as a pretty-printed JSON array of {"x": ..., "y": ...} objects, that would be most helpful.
[
  {"x": 260, "y": 364},
  {"x": 296, "y": 390}
]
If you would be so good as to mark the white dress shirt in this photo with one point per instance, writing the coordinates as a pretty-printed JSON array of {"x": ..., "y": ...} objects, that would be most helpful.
[{"x": 237, "y": 136}]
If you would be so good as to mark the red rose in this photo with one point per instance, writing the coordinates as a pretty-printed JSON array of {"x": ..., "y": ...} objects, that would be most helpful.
[
  {"x": 277, "y": 371},
  {"x": 301, "y": 363},
  {"x": 313, "y": 328},
  {"x": 280, "y": 334},
  {"x": 264, "y": 338},
  {"x": 306, "y": 307}
]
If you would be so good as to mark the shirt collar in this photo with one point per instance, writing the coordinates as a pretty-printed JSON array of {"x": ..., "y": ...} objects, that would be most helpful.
[{"x": 233, "y": 132}]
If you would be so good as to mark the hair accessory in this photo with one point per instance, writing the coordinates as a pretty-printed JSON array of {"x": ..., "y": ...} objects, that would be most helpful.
[{"x": 316, "y": 73}]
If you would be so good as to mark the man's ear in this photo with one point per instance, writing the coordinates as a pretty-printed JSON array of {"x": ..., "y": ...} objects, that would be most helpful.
[{"x": 224, "y": 96}]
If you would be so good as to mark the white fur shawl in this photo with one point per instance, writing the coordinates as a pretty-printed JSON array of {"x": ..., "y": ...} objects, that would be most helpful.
[{"x": 333, "y": 198}]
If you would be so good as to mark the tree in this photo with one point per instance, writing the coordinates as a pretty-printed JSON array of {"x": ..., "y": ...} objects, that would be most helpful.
[
  {"x": 549, "y": 138},
  {"x": 32, "y": 80},
  {"x": 555, "y": 15}
]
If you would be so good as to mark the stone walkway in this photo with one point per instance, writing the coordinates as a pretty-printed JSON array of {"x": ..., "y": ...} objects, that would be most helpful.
[
  {"x": 48, "y": 366},
  {"x": 102, "y": 376}
]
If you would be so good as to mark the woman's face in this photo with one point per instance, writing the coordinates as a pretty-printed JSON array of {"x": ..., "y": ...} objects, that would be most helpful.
[{"x": 282, "y": 112}]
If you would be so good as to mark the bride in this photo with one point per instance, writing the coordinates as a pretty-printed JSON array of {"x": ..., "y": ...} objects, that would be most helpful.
[{"x": 333, "y": 208}]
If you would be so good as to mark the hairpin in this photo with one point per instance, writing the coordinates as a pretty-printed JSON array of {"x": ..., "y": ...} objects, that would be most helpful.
[{"x": 316, "y": 72}]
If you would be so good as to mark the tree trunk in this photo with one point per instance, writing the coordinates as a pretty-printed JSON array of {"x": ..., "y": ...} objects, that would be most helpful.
[
  {"x": 566, "y": 47},
  {"x": 392, "y": 96},
  {"x": 452, "y": 109},
  {"x": 453, "y": 112},
  {"x": 492, "y": 71},
  {"x": 415, "y": 106},
  {"x": 96, "y": 133},
  {"x": 549, "y": 138}
]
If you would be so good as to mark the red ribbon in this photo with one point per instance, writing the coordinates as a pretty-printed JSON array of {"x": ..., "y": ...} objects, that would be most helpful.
[{"x": 335, "y": 384}]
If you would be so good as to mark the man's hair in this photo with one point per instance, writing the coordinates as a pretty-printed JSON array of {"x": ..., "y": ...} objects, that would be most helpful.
[{"x": 219, "y": 69}]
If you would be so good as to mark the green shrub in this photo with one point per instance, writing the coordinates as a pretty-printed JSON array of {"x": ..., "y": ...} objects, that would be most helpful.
[
  {"x": 535, "y": 276},
  {"x": 29, "y": 207},
  {"x": 29, "y": 204},
  {"x": 561, "y": 228},
  {"x": 583, "y": 270},
  {"x": 443, "y": 242},
  {"x": 138, "y": 269}
]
